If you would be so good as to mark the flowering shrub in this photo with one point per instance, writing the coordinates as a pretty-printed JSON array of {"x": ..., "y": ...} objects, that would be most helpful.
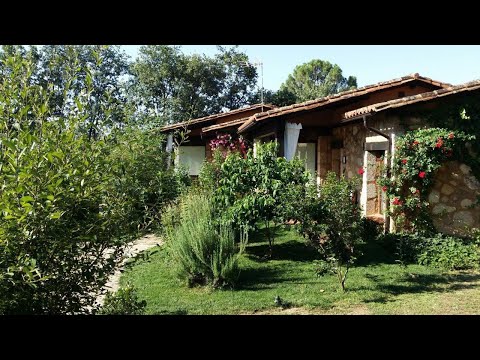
[
  {"x": 418, "y": 154},
  {"x": 227, "y": 143}
]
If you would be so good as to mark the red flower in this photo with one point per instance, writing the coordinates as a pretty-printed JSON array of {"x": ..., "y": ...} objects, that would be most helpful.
[
  {"x": 361, "y": 171},
  {"x": 422, "y": 174},
  {"x": 397, "y": 201},
  {"x": 404, "y": 161},
  {"x": 415, "y": 142},
  {"x": 451, "y": 136},
  {"x": 439, "y": 143},
  {"x": 384, "y": 188}
]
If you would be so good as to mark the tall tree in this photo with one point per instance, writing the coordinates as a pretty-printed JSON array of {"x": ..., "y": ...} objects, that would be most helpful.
[
  {"x": 315, "y": 79},
  {"x": 169, "y": 86},
  {"x": 104, "y": 67}
]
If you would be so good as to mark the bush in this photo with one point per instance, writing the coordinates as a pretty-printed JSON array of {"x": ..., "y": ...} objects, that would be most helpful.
[
  {"x": 144, "y": 176},
  {"x": 124, "y": 302},
  {"x": 63, "y": 224},
  {"x": 204, "y": 251},
  {"x": 440, "y": 251},
  {"x": 405, "y": 247},
  {"x": 450, "y": 253},
  {"x": 259, "y": 188},
  {"x": 333, "y": 224}
]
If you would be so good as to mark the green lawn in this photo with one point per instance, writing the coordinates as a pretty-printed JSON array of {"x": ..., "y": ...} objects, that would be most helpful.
[{"x": 375, "y": 286}]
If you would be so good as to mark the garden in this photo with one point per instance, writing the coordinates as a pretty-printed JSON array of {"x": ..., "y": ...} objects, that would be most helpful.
[{"x": 82, "y": 176}]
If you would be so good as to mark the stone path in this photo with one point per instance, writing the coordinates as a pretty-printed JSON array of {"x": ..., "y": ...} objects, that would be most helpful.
[{"x": 133, "y": 249}]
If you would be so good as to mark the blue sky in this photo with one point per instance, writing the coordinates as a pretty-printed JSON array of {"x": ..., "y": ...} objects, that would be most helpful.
[{"x": 454, "y": 64}]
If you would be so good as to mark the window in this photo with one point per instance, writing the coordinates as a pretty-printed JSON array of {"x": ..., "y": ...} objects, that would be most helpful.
[
  {"x": 306, "y": 151},
  {"x": 191, "y": 157}
]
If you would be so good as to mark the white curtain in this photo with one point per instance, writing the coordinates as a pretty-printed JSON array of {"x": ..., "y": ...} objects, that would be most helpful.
[
  {"x": 292, "y": 131},
  {"x": 169, "y": 143}
]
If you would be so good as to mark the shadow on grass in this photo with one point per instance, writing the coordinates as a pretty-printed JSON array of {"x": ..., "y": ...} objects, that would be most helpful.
[
  {"x": 374, "y": 252},
  {"x": 423, "y": 283},
  {"x": 175, "y": 312},
  {"x": 263, "y": 277},
  {"x": 291, "y": 250}
]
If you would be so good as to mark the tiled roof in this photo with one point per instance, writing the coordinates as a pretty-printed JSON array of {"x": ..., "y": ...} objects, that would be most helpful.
[
  {"x": 224, "y": 125},
  {"x": 408, "y": 100},
  {"x": 213, "y": 117},
  {"x": 312, "y": 104}
]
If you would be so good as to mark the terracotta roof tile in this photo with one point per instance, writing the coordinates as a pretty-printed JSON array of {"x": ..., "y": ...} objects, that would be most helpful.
[
  {"x": 224, "y": 125},
  {"x": 312, "y": 104},
  {"x": 212, "y": 117},
  {"x": 408, "y": 100}
]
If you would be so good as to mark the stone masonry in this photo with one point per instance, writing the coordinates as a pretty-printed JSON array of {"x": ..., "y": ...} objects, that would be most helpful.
[{"x": 453, "y": 198}]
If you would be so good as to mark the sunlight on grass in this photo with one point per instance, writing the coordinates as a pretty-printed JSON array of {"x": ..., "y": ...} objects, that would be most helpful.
[{"x": 375, "y": 286}]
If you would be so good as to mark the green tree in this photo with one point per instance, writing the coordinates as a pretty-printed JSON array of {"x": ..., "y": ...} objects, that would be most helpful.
[
  {"x": 169, "y": 86},
  {"x": 60, "y": 211},
  {"x": 332, "y": 222},
  {"x": 102, "y": 67},
  {"x": 315, "y": 79},
  {"x": 259, "y": 188}
]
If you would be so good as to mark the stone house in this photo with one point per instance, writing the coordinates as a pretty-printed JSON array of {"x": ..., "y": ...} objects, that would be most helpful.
[{"x": 347, "y": 132}]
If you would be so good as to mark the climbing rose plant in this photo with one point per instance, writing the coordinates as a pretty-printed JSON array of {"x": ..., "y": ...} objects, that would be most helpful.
[
  {"x": 418, "y": 154},
  {"x": 226, "y": 143}
]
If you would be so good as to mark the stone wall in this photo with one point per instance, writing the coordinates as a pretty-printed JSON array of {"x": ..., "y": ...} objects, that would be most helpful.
[{"x": 453, "y": 197}]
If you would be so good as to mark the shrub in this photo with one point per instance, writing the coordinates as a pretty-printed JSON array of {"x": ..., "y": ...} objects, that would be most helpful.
[
  {"x": 62, "y": 220},
  {"x": 450, "y": 253},
  {"x": 124, "y": 302},
  {"x": 258, "y": 188},
  {"x": 405, "y": 247},
  {"x": 333, "y": 224},
  {"x": 440, "y": 251},
  {"x": 144, "y": 177},
  {"x": 204, "y": 251}
]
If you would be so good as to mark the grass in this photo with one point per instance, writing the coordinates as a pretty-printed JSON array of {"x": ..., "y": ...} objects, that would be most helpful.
[{"x": 375, "y": 286}]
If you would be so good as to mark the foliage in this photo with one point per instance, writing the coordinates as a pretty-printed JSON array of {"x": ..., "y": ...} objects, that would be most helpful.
[
  {"x": 255, "y": 188},
  {"x": 123, "y": 302},
  {"x": 144, "y": 176},
  {"x": 332, "y": 222},
  {"x": 450, "y": 253},
  {"x": 316, "y": 79},
  {"x": 211, "y": 171},
  {"x": 418, "y": 155},
  {"x": 175, "y": 87},
  {"x": 460, "y": 114},
  {"x": 65, "y": 71},
  {"x": 62, "y": 220},
  {"x": 282, "y": 97},
  {"x": 203, "y": 250},
  {"x": 405, "y": 247},
  {"x": 442, "y": 251}
]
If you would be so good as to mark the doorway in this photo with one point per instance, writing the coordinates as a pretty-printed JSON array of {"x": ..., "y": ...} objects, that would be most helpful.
[{"x": 375, "y": 196}]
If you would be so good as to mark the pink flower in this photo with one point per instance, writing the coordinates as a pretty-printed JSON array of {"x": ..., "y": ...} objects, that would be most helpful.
[
  {"x": 360, "y": 171},
  {"x": 422, "y": 174}
]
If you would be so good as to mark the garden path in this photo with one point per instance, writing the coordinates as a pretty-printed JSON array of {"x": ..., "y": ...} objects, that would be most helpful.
[{"x": 133, "y": 249}]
